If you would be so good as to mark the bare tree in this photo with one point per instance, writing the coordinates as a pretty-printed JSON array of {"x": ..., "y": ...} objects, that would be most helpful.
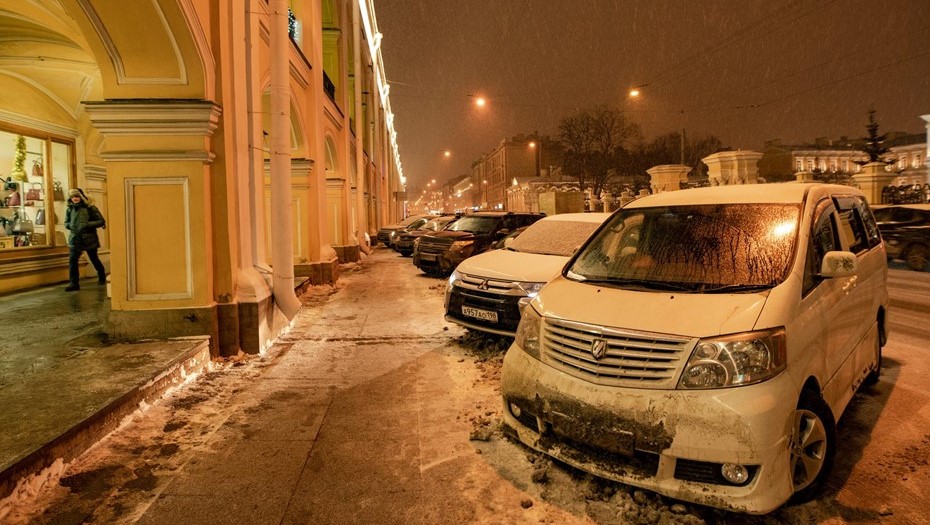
[
  {"x": 593, "y": 141},
  {"x": 666, "y": 149}
]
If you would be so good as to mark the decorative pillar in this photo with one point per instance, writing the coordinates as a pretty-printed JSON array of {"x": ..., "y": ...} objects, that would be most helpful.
[
  {"x": 733, "y": 167},
  {"x": 668, "y": 177},
  {"x": 872, "y": 180},
  {"x": 159, "y": 164}
]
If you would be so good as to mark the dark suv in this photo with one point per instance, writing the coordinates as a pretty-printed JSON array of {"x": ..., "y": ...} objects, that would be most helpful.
[
  {"x": 404, "y": 243},
  {"x": 387, "y": 235},
  {"x": 439, "y": 253},
  {"x": 905, "y": 229}
]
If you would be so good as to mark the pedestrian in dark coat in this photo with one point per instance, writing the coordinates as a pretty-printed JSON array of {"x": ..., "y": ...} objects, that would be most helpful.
[{"x": 82, "y": 219}]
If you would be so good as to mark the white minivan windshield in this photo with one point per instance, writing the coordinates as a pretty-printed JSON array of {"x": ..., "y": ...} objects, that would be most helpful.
[{"x": 706, "y": 248}]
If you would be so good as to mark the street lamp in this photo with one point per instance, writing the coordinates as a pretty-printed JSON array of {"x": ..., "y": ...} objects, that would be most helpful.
[
  {"x": 635, "y": 92},
  {"x": 479, "y": 100},
  {"x": 484, "y": 183},
  {"x": 537, "y": 152}
]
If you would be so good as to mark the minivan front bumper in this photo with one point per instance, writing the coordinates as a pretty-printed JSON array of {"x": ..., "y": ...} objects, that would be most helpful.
[{"x": 670, "y": 441}]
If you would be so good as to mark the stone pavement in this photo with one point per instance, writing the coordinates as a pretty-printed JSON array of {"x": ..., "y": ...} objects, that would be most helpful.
[
  {"x": 361, "y": 413},
  {"x": 62, "y": 386}
]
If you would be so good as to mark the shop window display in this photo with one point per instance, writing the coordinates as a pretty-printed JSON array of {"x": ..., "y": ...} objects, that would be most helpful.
[{"x": 35, "y": 176}]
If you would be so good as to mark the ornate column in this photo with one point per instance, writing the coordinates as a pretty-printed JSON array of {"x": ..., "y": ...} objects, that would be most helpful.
[
  {"x": 159, "y": 165},
  {"x": 733, "y": 167},
  {"x": 668, "y": 177},
  {"x": 872, "y": 179}
]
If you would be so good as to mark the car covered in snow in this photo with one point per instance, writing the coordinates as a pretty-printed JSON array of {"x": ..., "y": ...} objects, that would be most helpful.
[
  {"x": 704, "y": 342},
  {"x": 486, "y": 292}
]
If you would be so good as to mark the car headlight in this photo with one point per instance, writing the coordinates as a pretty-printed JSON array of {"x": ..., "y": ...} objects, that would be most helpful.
[
  {"x": 530, "y": 289},
  {"x": 461, "y": 246},
  {"x": 527, "y": 336},
  {"x": 735, "y": 360},
  {"x": 453, "y": 277}
]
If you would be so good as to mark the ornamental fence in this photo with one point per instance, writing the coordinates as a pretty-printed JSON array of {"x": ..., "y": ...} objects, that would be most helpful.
[{"x": 912, "y": 194}]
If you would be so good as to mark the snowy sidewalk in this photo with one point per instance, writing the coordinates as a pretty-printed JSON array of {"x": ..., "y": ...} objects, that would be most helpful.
[{"x": 362, "y": 413}]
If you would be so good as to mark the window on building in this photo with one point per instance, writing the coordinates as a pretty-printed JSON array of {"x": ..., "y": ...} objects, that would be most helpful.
[
  {"x": 798, "y": 165},
  {"x": 36, "y": 173}
]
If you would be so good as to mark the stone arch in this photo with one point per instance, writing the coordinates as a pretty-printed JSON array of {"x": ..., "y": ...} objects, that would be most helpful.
[
  {"x": 157, "y": 49},
  {"x": 300, "y": 147}
]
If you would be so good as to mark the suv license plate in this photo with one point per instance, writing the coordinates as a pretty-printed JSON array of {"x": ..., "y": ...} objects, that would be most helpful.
[
  {"x": 484, "y": 315},
  {"x": 428, "y": 257}
]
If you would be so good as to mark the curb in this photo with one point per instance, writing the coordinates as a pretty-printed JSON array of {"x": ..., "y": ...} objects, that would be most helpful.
[{"x": 79, "y": 438}]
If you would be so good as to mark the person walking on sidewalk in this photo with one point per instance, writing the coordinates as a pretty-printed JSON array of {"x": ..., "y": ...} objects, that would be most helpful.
[{"x": 82, "y": 219}]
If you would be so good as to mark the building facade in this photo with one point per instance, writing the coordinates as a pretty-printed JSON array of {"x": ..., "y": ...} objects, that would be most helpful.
[
  {"x": 233, "y": 149},
  {"x": 907, "y": 156}
]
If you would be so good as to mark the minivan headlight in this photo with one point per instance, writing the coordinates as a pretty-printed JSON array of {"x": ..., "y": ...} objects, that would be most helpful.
[
  {"x": 735, "y": 360},
  {"x": 527, "y": 336}
]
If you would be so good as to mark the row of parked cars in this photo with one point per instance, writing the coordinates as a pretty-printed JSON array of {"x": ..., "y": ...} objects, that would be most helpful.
[{"x": 700, "y": 343}]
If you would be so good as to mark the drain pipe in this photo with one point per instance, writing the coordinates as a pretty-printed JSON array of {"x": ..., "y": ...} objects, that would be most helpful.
[{"x": 282, "y": 243}]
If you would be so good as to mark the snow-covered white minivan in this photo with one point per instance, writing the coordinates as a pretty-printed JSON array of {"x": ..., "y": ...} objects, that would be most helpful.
[{"x": 703, "y": 343}]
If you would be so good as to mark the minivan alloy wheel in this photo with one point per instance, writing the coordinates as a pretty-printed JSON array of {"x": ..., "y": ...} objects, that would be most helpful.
[{"x": 812, "y": 445}]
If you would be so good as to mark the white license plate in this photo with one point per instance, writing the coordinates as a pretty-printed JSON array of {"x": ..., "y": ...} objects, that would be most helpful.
[
  {"x": 428, "y": 256},
  {"x": 477, "y": 313}
]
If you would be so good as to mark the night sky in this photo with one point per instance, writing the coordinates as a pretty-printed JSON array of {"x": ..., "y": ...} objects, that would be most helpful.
[{"x": 746, "y": 71}]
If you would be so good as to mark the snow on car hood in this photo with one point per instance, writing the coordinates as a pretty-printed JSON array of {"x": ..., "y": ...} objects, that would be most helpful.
[
  {"x": 686, "y": 314},
  {"x": 513, "y": 266}
]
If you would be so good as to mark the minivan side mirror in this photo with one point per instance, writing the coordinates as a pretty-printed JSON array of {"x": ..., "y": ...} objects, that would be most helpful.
[{"x": 839, "y": 264}]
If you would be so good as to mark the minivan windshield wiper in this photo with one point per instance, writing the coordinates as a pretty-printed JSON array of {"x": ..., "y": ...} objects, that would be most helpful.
[
  {"x": 734, "y": 288},
  {"x": 641, "y": 284}
]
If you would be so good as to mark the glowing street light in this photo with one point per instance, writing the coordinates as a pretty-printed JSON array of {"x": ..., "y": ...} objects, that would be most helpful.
[{"x": 447, "y": 153}]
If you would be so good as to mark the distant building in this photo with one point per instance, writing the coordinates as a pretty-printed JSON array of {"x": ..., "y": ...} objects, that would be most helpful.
[
  {"x": 837, "y": 157},
  {"x": 520, "y": 157}
]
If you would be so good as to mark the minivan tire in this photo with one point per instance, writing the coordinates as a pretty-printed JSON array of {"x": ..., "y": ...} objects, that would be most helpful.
[
  {"x": 873, "y": 376},
  {"x": 812, "y": 447}
]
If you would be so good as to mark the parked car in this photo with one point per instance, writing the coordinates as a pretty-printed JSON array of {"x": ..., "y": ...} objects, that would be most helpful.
[
  {"x": 387, "y": 233},
  {"x": 487, "y": 292},
  {"x": 439, "y": 253},
  {"x": 906, "y": 231},
  {"x": 405, "y": 240},
  {"x": 703, "y": 343}
]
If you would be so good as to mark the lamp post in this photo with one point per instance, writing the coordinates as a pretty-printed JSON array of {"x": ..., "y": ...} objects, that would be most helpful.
[
  {"x": 635, "y": 93},
  {"x": 537, "y": 148},
  {"x": 485, "y": 203}
]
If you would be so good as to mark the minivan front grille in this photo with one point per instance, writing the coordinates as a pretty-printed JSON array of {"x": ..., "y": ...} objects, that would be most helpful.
[{"x": 630, "y": 358}]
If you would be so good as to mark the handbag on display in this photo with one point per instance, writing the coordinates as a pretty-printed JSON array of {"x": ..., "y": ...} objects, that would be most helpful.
[
  {"x": 35, "y": 192},
  {"x": 14, "y": 199},
  {"x": 58, "y": 193},
  {"x": 37, "y": 168},
  {"x": 40, "y": 217},
  {"x": 23, "y": 226}
]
